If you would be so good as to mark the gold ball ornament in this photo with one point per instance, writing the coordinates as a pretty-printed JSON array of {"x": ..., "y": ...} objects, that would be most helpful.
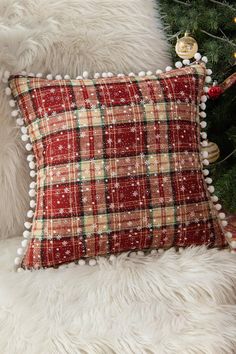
[
  {"x": 186, "y": 47},
  {"x": 213, "y": 151}
]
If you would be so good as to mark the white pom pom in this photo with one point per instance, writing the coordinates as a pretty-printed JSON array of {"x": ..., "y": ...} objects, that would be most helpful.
[
  {"x": 24, "y": 137},
  {"x": 205, "y": 59},
  {"x": 32, "y": 204},
  {"x": 208, "y": 180},
  {"x": 203, "y": 135},
  {"x": 7, "y": 91},
  {"x": 81, "y": 262},
  {"x": 20, "y": 251},
  {"x": 85, "y": 74},
  {"x": 204, "y": 143},
  {"x": 27, "y": 225},
  {"x": 168, "y": 68},
  {"x": 141, "y": 73},
  {"x": 79, "y": 78},
  {"x": 197, "y": 56},
  {"x": 211, "y": 189},
  {"x": 49, "y": 77},
  {"x": 153, "y": 252},
  {"x": 205, "y": 172},
  {"x": 19, "y": 121},
  {"x": 14, "y": 113},
  {"x": 203, "y": 98},
  {"x": 58, "y": 77},
  {"x": 32, "y": 185},
  {"x": 23, "y": 130},
  {"x": 26, "y": 234},
  {"x": 92, "y": 262},
  {"x": 205, "y": 154},
  {"x": 28, "y": 147},
  {"x": 131, "y": 74},
  {"x": 104, "y": 74},
  {"x": 205, "y": 89},
  {"x": 31, "y": 74},
  {"x": 203, "y": 124},
  {"x": 224, "y": 223},
  {"x": 24, "y": 73},
  {"x": 214, "y": 198},
  {"x": 202, "y": 114},
  {"x": 24, "y": 243},
  {"x": 205, "y": 162},
  {"x": 186, "y": 61},
  {"x": 30, "y": 157},
  {"x": 203, "y": 106},
  {"x": 178, "y": 64},
  {"x": 120, "y": 75},
  {"x": 30, "y": 213},
  {"x": 20, "y": 270},
  {"x": 222, "y": 215},
  {"x": 109, "y": 74},
  {"x": 67, "y": 77},
  {"x": 208, "y": 79},
  {"x": 12, "y": 103},
  {"x": 132, "y": 254},
  {"x": 209, "y": 71},
  {"x": 6, "y": 74},
  {"x": 112, "y": 258},
  {"x": 32, "y": 165},
  {"x": 140, "y": 253},
  {"x": 32, "y": 193},
  {"x": 39, "y": 75},
  {"x": 17, "y": 261},
  {"x": 158, "y": 72},
  {"x": 96, "y": 75},
  {"x": 149, "y": 73},
  {"x": 32, "y": 173},
  {"x": 228, "y": 234},
  {"x": 218, "y": 206},
  {"x": 233, "y": 244}
]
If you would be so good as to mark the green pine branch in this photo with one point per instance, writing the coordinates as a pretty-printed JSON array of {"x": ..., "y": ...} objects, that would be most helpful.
[{"x": 211, "y": 23}]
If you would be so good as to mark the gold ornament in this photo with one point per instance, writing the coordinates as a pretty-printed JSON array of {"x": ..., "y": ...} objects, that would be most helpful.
[
  {"x": 186, "y": 47},
  {"x": 213, "y": 151}
]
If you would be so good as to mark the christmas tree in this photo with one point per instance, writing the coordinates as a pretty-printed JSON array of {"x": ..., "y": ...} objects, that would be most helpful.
[{"x": 213, "y": 24}]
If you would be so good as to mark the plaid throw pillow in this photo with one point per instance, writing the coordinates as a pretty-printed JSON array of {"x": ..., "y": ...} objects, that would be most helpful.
[{"x": 118, "y": 165}]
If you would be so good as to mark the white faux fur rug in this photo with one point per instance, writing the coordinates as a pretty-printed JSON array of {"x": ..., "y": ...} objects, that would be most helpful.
[
  {"x": 162, "y": 304},
  {"x": 66, "y": 37}
]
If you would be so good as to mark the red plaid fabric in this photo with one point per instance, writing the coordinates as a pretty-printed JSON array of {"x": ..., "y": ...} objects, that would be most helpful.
[{"x": 118, "y": 165}]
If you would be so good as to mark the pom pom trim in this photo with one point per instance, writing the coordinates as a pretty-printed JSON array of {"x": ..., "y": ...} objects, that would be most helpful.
[{"x": 204, "y": 142}]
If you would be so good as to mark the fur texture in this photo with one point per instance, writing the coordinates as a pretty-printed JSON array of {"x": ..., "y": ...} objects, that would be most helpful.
[
  {"x": 67, "y": 37},
  {"x": 162, "y": 304}
]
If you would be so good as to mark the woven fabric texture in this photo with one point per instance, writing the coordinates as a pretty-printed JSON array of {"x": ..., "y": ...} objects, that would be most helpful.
[{"x": 118, "y": 165}]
